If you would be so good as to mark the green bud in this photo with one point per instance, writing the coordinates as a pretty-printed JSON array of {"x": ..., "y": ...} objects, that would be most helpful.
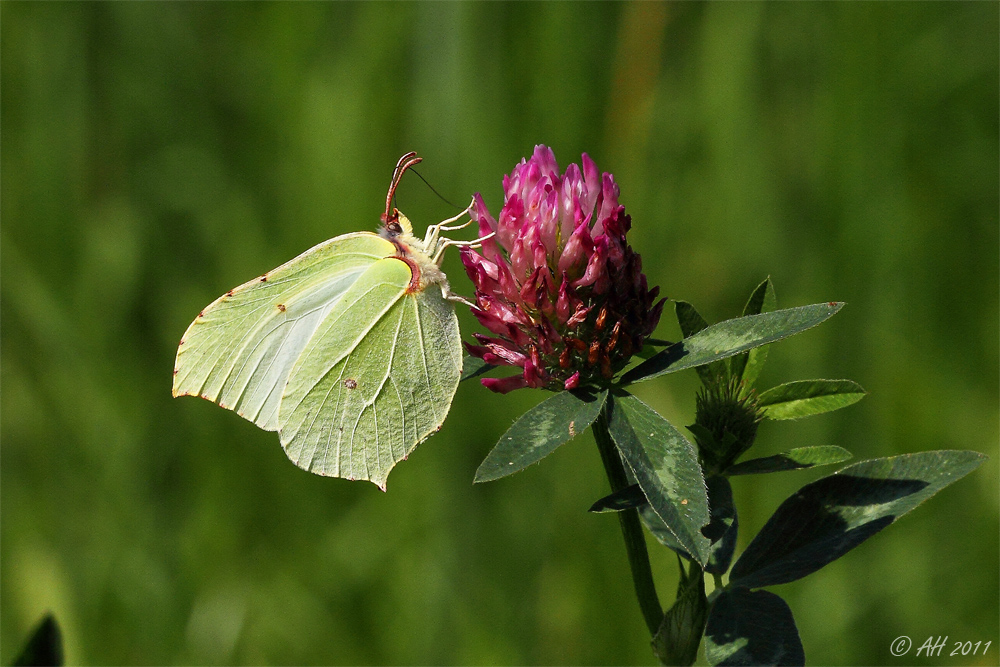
[{"x": 726, "y": 419}]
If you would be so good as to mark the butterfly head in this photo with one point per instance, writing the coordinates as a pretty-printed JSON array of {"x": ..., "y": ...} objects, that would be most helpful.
[
  {"x": 395, "y": 223},
  {"x": 395, "y": 227}
]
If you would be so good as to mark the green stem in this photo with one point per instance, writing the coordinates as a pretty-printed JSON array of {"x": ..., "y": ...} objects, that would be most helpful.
[{"x": 635, "y": 541}]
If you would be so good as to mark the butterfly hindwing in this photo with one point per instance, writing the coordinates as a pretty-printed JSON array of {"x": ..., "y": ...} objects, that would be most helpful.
[{"x": 376, "y": 379}]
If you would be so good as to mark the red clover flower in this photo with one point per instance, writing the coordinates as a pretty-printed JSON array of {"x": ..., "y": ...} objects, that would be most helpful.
[{"x": 558, "y": 285}]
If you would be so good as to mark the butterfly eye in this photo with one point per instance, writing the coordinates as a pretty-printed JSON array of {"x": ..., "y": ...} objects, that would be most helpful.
[{"x": 394, "y": 228}]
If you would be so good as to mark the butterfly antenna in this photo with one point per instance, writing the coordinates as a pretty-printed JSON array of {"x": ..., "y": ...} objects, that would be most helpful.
[
  {"x": 427, "y": 183},
  {"x": 404, "y": 163}
]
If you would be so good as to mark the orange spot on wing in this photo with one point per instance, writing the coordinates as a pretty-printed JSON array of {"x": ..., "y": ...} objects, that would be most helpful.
[{"x": 281, "y": 307}]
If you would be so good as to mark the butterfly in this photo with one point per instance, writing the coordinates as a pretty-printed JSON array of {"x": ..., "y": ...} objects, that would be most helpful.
[{"x": 351, "y": 351}]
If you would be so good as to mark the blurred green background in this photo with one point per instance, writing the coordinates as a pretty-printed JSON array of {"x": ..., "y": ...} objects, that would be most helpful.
[{"x": 155, "y": 155}]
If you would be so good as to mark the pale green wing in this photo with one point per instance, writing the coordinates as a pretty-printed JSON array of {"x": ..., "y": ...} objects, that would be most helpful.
[
  {"x": 377, "y": 378},
  {"x": 240, "y": 350}
]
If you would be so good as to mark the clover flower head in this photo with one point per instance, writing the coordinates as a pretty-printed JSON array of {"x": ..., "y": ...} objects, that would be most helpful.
[{"x": 558, "y": 287}]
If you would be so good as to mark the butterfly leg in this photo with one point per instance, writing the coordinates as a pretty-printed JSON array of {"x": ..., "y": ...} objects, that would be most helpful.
[
  {"x": 453, "y": 228},
  {"x": 434, "y": 231},
  {"x": 458, "y": 298},
  {"x": 476, "y": 243}
]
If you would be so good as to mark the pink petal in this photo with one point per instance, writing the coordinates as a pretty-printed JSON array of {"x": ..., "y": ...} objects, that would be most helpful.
[
  {"x": 545, "y": 159},
  {"x": 509, "y": 225},
  {"x": 504, "y": 385},
  {"x": 550, "y": 338},
  {"x": 481, "y": 271},
  {"x": 487, "y": 224},
  {"x": 481, "y": 214},
  {"x": 509, "y": 288},
  {"x": 490, "y": 321},
  {"x": 578, "y": 248},
  {"x": 607, "y": 203},
  {"x": 548, "y": 219},
  {"x": 595, "y": 267},
  {"x": 509, "y": 356},
  {"x": 592, "y": 179},
  {"x": 534, "y": 374},
  {"x": 579, "y": 315},
  {"x": 476, "y": 350},
  {"x": 572, "y": 381},
  {"x": 529, "y": 290},
  {"x": 562, "y": 301},
  {"x": 539, "y": 253},
  {"x": 520, "y": 260}
]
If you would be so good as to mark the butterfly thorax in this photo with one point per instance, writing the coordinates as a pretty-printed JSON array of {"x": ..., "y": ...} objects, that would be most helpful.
[{"x": 413, "y": 251}]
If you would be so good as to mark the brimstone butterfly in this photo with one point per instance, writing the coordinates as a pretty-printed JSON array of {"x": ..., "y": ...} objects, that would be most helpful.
[{"x": 350, "y": 351}]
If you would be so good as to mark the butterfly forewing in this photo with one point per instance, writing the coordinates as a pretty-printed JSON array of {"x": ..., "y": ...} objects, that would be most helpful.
[
  {"x": 241, "y": 349},
  {"x": 376, "y": 379}
]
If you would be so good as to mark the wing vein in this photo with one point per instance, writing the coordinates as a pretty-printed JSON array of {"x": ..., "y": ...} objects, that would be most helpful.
[{"x": 423, "y": 357}]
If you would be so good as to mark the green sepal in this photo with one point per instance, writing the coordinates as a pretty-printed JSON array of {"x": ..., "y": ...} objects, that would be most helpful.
[
  {"x": 677, "y": 640},
  {"x": 751, "y": 628},
  {"x": 794, "y": 459},
  {"x": 704, "y": 437},
  {"x": 794, "y": 400},
  {"x": 829, "y": 517},
  {"x": 623, "y": 499},
  {"x": 729, "y": 338},
  {"x": 710, "y": 446},
  {"x": 665, "y": 464},
  {"x": 541, "y": 430}
]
